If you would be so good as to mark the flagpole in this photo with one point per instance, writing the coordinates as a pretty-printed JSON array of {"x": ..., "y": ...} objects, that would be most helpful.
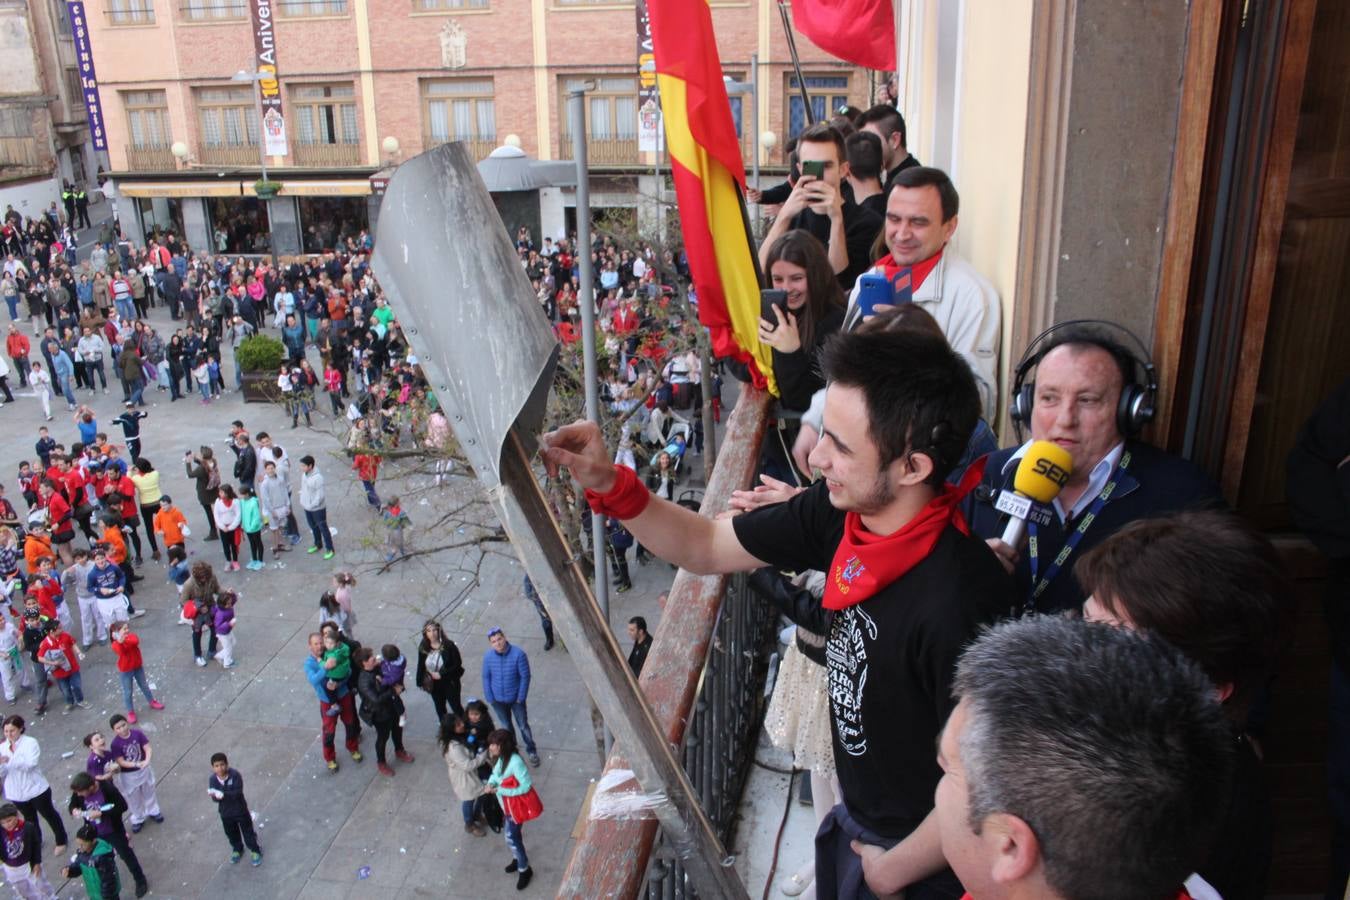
[{"x": 796, "y": 66}]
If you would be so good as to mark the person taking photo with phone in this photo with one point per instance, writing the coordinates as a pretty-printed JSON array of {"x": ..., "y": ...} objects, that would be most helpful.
[
  {"x": 804, "y": 307},
  {"x": 819, "y": 204}
]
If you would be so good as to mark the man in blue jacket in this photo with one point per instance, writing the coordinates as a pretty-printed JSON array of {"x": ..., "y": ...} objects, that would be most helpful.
[
  {"x": 506, "y": 683},
  {"x": 335, "y": 700}
]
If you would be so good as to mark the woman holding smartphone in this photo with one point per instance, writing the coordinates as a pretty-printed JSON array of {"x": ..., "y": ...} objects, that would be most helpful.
[{"x": 805, "y": 307}]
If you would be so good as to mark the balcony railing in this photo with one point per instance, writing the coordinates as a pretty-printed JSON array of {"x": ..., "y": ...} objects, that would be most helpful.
[
  {"x": 605, "y": 151},
  {"x": 138, "y": 14},
  {"x": 704, "y": 681},
  {"x": 478, "y": 148},
  {"x": 323, "y": 155},
  {"x": 20, "y": 151},
  {"x": 228, "y": 154},
  {"x": 150, "y": 159}
]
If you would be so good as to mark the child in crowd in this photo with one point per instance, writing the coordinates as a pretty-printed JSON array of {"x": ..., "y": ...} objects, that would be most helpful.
[
  {"x": 47, "y": 587},
  {"x": 337, "y": 660},
  {"x": 251, "y": 522},
  {"x": 226, "y": 788},
  {"x": 108, "y": 584},
  {"x": 36, "y": 545},
  {"x": 21, "y": 849},
  {"x": 10, "y": 552},
  {"x": 274, "y": 495},
  {"x": 100, "y": 764},
  {"x": 201, "y": 375},
  {"x": 343, "y": 582},
  {"x": 95, "y": 864},
  {"x": 217, "y": 383},
  {"x": 132, "y": 751},
  {"x": 33, "y": 635},
  {"x": 367, "y": 466},
  {"x": 224, "y": 625},
  {"x": 44, "y": 447},
  {"x": 332, "y": 382},
  {"x": 179, "y": 571},
  {"x": 75, "y": 580},
  {"x": 11, "y": 660},
  {"x": 395, "y": 521},
  {"x": 393, "y": 666},
  {"x": 131, "y": 668},
  {"x": 41, "y": 384},
  {"x": 170, "y": 523},
  {"x": 62, "y": 659}
]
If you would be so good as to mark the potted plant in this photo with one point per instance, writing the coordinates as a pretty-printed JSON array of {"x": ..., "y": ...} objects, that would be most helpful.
[
  {"x": 266, "y": 189},
  {"x": 260, "y": 357}
]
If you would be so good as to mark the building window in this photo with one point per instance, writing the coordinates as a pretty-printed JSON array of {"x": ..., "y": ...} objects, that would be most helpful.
[
  {"x": 459, "y": 109},
  {"x": 611, "y": 119},
  {"x": 131, "y": 12},
  {"x": 74, "y": 90},
  {"x": 324, "y": 114},
  {"x": 593, "y": 2},
  {"x": 62, "y": 17},
  {"x": 147, "y": 119},
  {"x": 443, "y": 5},
  {"x": 213, "y": 10},
  {"x": 293, "y": 9},
  {"x": 827, "y": 93},
  {"x": 15, "y": 122},
  {"x": 228, "y": 117}
]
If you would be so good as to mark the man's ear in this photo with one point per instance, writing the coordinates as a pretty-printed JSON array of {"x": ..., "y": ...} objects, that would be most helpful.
[
  {"x": 1016, "y": 850},
  {"x": 913, "y": 468}
]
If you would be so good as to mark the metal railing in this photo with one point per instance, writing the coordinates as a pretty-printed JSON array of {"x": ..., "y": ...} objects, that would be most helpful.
[
  {"x": 704, "y": 680},
  {"x": 720, "y": 743},
  {"x": 138, "y": 14},
  {"x": 228, "y": 154},
  {"x": 150, "y": 159},
  {"x": 20, "y": 151},
  {"x": 604, "y": 151},
  {"x": 326, "y": 154}
]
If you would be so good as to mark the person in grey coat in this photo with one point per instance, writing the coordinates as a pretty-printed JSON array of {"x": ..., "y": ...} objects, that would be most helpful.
[{"x": 314, "y": 503}]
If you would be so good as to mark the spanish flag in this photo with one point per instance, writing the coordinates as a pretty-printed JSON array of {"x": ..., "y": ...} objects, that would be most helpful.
[{"x": 705, "y": 162}]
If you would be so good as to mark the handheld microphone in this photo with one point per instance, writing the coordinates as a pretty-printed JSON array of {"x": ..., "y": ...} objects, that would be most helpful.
[{"x": 1040, "y": 477}]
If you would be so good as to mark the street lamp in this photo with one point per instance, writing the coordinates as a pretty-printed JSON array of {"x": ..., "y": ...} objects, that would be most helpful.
[{"x": 257, "y": 78}]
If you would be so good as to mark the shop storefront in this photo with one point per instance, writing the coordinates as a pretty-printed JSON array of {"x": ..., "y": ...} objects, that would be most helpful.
[{"x": 226, "y": 216}]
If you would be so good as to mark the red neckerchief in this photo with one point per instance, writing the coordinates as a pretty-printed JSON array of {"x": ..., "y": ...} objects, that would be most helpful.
[
  {"x": 917, "y": 272},
  {"x": 864, "y": 562}
]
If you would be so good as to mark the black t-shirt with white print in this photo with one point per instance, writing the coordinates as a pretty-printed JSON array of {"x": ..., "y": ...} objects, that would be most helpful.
[{"x": 891, "y": 658}]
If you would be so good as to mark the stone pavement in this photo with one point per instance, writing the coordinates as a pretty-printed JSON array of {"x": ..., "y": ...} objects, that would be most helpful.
[{"x": 320, "y": 832}]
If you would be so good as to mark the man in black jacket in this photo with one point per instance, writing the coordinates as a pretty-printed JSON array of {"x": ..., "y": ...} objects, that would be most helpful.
[
  {"x": 246, "y": 461},
  {"x": 1116, "y": 478},
  {"x": 642, "y": 644},
  {"x": 100, "y": 804}
]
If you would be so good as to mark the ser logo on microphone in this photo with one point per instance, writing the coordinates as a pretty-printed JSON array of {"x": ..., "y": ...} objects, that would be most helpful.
[{"x": 1049, "y": 469}]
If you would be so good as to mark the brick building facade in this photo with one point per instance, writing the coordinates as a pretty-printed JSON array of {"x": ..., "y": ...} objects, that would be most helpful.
[{"x": 365, "y": 83}]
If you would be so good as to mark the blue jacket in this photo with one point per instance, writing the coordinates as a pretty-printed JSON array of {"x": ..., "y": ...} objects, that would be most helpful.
[
  {"x": 106, "y": 582},
  {"x": 506, "y": 676},
  {"x": 318, "y": 678}
]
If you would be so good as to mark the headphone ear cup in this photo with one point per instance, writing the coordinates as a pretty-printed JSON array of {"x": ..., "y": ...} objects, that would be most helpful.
[
  {"x": 1020, "y": 409},
  {"x": 1128, "y": 413}
]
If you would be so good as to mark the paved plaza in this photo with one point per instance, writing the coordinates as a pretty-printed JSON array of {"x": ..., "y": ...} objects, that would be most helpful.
[{"x": 353, "y": 834}]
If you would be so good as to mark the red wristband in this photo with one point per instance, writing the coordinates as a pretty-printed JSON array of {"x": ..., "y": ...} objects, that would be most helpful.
[{"x": 626, "y": 500}]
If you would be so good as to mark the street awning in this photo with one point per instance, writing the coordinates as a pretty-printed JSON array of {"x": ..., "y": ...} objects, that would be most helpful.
[
  {"x": 217, "y": 188},
  {"x": 347, "y": 187}
]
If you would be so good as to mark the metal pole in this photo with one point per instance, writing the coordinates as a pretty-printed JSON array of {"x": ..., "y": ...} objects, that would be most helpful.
[
  {"x": 262, "y": 164},
  {"x": 576, "y": 110},
  {"x": 754, "y": 126}
]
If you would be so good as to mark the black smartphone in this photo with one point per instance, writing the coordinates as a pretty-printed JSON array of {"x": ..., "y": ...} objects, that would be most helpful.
[
  {"x": 768, "y": 299},
  {"x": 814, "y": 168}
]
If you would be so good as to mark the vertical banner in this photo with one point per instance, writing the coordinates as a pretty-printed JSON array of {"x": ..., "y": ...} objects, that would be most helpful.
[
  {"x": 650, "y": 132},
  {"x": 84, "y": 59},
  {"x": 265, "y": 50}
]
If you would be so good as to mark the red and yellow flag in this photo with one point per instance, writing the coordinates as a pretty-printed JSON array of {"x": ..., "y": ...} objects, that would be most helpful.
[{"x": 705, "y": 162}]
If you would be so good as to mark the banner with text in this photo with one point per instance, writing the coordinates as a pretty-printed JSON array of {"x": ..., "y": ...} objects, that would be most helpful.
[
  {"x": 84, "y": 60},
  {"x": 651, "y": 135},
  {"x": 265, "y": 50}
]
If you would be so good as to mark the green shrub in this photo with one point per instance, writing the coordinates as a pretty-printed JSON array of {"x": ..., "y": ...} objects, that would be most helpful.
[{"x": 260, "y": 353}]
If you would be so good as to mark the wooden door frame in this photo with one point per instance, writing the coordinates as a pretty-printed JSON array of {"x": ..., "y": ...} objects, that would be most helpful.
[{"x": 1176, "y": 320}]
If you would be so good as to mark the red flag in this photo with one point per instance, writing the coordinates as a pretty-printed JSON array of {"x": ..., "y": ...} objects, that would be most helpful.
[
  {"x": 860, "y": 31},
  {"x": 705, "y": 163}
]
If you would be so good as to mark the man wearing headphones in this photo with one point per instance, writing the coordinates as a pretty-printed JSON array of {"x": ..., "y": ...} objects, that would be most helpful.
[{"x": 1079, "y": 388}]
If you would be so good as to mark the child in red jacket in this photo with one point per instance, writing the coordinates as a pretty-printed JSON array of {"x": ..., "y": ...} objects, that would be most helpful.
[
  {"x": 130, "y": 667},
  {"x": 367, "y": 466}
]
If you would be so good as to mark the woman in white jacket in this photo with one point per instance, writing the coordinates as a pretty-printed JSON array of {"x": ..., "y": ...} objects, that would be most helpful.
[
  {"x": 25, "y": 785},
  {"x": 228, "y": 515}
]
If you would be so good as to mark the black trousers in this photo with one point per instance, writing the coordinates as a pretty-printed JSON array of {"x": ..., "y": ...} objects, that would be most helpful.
[
  {"x": 122, "y": 845},
  {"x": 383, "y": 731},
  {"x": 42, "y": 804},
  {"x": 239, "y": 831}
]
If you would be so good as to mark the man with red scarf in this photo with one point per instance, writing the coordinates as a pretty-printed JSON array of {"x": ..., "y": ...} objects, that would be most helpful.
[
  {"x": 910, "y": 587},
  {"x": 920, "y": 219}
]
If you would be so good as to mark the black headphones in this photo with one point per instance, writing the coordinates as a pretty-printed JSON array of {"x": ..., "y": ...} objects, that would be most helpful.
[{"x": 1135, "y": 409}]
